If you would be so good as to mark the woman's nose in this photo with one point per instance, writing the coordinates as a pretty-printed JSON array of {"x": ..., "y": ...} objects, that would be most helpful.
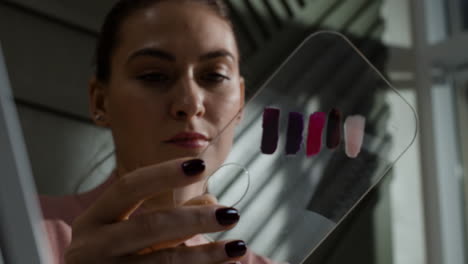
[{"x": 187, "y": 100}]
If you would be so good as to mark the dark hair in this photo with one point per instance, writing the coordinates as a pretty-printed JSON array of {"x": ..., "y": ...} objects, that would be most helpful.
[{"x": 108, "y": 37}]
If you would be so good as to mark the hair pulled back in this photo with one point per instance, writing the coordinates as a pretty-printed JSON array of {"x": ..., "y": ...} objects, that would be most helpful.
[{"x": 109, "y": 35}]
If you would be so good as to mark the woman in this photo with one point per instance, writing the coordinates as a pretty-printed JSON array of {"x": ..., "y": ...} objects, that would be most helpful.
[{"x": 167, "y": 82}]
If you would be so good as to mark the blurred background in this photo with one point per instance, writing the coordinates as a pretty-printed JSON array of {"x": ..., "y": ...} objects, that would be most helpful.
[{"x": 418, "y": 212}]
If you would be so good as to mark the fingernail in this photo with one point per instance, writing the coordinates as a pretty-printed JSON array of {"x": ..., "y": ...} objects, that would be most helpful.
[
  {"x": 236, "y": 249},
  {"x": 314, "y": 140},
  {"x": 294, "y": 134},
  {"x": 193, "y": 167},
  {"x": 270, "y": 130},
  {"x": 227, "y": 216},
  {"x": 334, "y": 129}
]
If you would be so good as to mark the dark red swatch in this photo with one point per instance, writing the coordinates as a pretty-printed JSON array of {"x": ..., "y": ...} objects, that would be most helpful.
[
  {"x": 334, "y": 129},
  {"x": 314, "y": 138},
  {"x": 294, "y": 134},
  {"x": 270, "y": 133}
]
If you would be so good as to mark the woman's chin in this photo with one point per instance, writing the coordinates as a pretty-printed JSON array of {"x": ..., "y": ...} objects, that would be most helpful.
[{"x": 179, "y": 150}]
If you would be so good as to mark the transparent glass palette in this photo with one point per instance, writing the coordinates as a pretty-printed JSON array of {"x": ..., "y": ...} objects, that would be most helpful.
[{"x": 330, "y": 113}]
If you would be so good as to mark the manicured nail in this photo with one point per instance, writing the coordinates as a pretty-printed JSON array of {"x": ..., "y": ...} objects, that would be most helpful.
[
  {"x": 354, "y": 135},
  {"x": 314, "y": 140},
  {"x": 193, "y": 167},
  {"x": 294, "y": 135},
  {"x": 227, "y": 216},
  {"x": 270, "y": 133},
  {"x": 334, "y": 129},
  {"x": 236, "y": 249}
]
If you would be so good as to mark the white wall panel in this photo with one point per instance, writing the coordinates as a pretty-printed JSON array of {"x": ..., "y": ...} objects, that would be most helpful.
[
  {"x": 48, "y": 63},
  {"x": 62, "y": 151},
  {"x": 84, "y": 13}
]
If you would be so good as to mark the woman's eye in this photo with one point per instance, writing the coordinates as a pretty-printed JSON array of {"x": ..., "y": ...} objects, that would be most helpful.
[
  {"x": 154, "y": 77},
  {"x": 214, "y": 77}
]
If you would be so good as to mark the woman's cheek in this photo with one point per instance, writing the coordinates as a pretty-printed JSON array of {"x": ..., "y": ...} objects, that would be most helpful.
[
  {"x": 223, "y": 112},
  {"x": 227, "y": 108}
]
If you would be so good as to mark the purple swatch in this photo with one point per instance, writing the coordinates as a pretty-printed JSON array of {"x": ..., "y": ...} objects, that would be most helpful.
[
  {"x": 334, "y": 129},
  {"x": 294, "y": 135},
  {"x": 270, "y": 130}
]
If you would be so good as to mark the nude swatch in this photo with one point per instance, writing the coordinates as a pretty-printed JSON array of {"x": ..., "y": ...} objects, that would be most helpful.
[
  {"x": 270, "y": 133},
  {"x": 354, "y": 128},
  {"x": 314, "y": 139}
]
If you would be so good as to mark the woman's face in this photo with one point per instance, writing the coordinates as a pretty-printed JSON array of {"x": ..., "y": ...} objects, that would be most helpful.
[{"x": 174, "y": 85}]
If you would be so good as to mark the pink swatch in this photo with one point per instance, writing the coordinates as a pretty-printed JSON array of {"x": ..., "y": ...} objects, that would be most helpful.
[
  {"x": 314, "y": 139},
  {"x": 354, "y": 135}
]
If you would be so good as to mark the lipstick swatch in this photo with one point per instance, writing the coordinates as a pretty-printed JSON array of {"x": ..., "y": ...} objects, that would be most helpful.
[
  {"x": 314, "y": 139},
  {"x": 354, "y": 135},
  {"x": 294, "y": 134},
  {"x": 270, "y": 133},
  {"x": 334, "y": 129}
]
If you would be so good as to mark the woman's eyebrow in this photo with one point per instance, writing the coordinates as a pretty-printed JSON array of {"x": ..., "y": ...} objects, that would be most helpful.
[
  {"x": 164, "y": 55},
  {"x": 152, "y": 52},
  {"x": 216, "y": 54}
]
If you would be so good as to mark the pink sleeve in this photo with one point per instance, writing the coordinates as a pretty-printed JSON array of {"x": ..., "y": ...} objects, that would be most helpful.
[
  {"x": 252, "y": 258},
  {"x": 59, "y": 235},
  {"x": 58, "y": 214}
]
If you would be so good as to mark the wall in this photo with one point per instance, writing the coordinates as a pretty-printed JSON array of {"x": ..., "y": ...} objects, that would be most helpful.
[
  {"x": 406, "y": 217},
  {"x": 49, "y": 63}
]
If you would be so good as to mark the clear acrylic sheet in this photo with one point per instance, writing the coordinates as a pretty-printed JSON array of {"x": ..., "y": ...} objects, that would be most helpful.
[{"x": 290, "y": 203}]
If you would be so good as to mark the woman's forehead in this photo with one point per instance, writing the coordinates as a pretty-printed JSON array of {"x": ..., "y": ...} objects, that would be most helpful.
[{"x": 181, "y": 29}]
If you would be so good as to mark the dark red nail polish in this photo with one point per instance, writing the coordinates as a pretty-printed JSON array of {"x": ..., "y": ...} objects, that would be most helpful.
[
  {"x": 270, "y": 130},
  {"x": 236, "y": 249},
  {"x": 193, "y": 167},
  {"x": 334, "y": 129},
  {"x": 227, "y": 216},
  {"x": 294, "y": 134},
  {"x": 314, "y": 139}
]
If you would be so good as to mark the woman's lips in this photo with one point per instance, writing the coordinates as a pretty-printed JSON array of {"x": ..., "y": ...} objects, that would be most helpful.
[
  {"x": 189, "y": 140},
  {"x": 190, "y": 143}
]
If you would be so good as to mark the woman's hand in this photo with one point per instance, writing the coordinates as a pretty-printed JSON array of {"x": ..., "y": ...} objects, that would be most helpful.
[{"x": 106, "y": 234}]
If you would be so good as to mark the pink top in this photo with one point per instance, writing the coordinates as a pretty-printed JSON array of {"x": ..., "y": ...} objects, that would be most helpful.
[{"x": 59, "y": 213}]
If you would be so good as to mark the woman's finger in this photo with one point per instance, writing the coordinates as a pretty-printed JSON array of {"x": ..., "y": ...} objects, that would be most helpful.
[
  {"x": 212, "y": 253},
  {"x": 131, "y": 190},
  {"x": 205, "y": 199},
  {"x": 161, "y": 228}
]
